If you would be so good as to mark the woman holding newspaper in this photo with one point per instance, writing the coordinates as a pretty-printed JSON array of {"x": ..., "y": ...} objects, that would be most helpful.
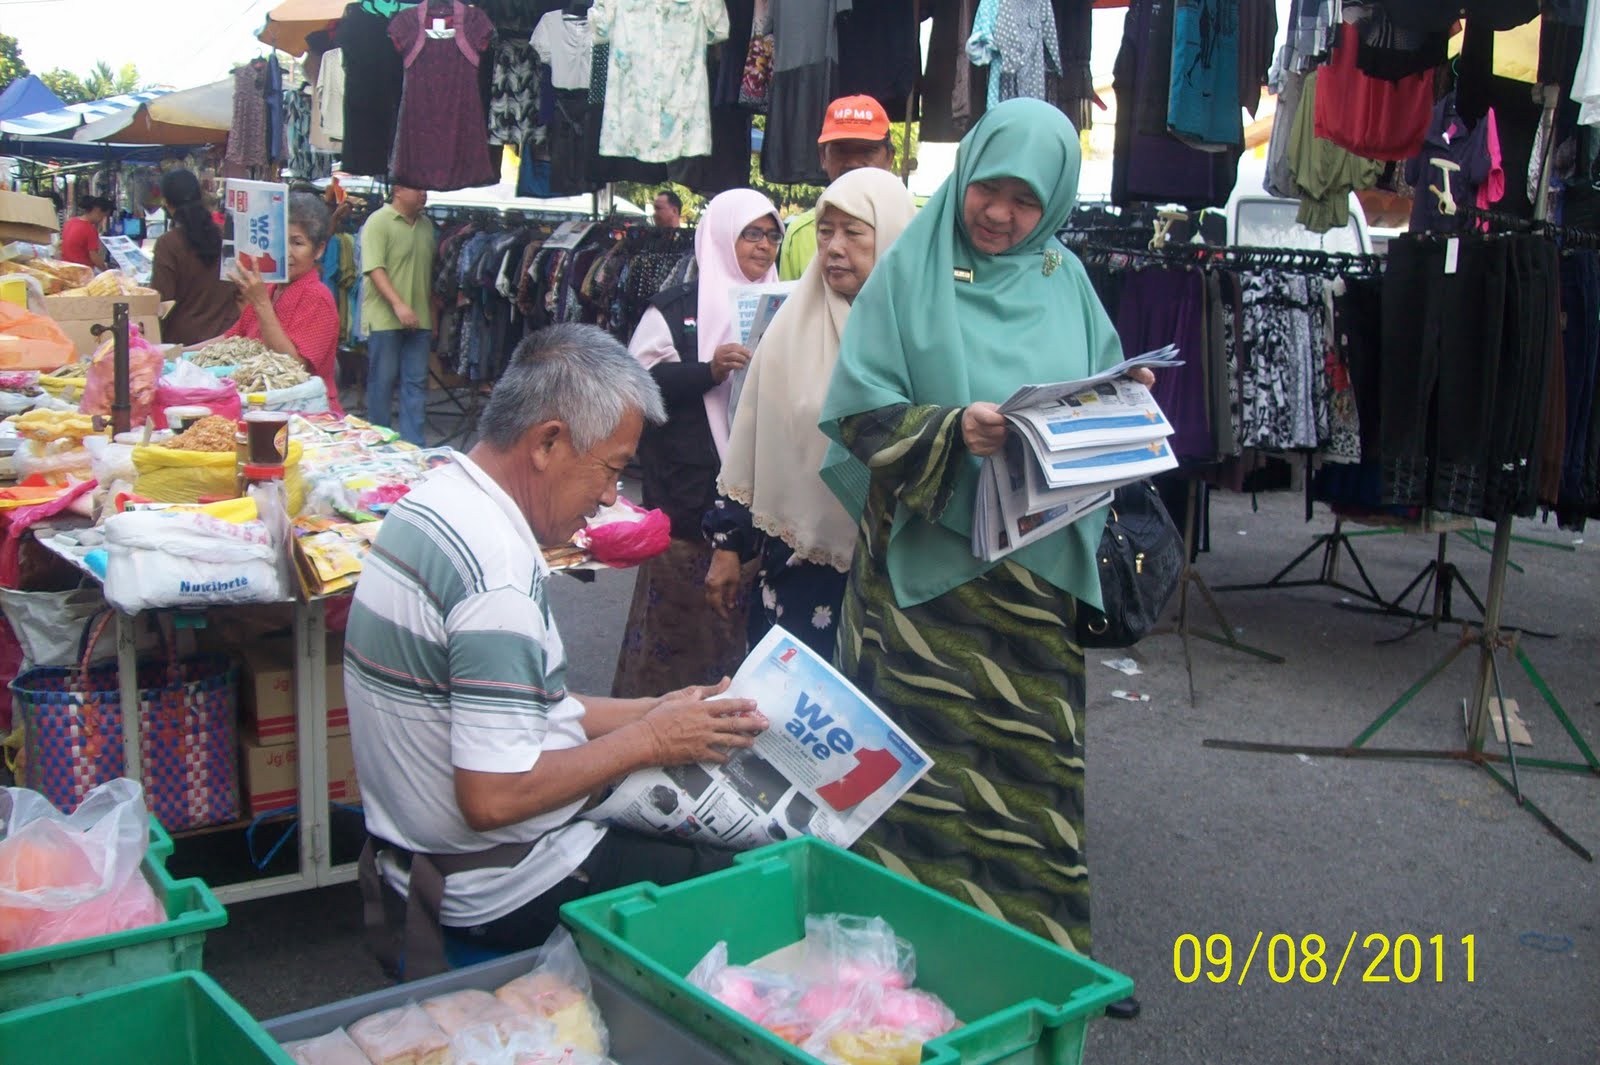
[
  {"x": 774, "y": 506},
  {"x": 686, "y": 340},
  {"x": 974, "y": 659}
]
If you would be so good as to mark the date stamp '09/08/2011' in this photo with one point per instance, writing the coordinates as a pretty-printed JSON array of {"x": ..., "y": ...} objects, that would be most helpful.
[{"x": 1378, "y": 959}]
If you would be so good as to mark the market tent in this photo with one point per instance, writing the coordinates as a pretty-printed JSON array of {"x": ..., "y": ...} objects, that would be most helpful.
[
  {"x": 292, "y": 21},
  {"x": 60, "y": 149},
  {"x": 200, "y": 115},
  {"x": 27, "y": 96},
  {"x": 61, "y": 119}
]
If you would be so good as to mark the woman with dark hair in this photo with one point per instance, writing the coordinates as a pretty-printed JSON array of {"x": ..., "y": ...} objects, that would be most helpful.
[
  {"x": 297, "y": 317},
  {"x": 185, "y": 265}
]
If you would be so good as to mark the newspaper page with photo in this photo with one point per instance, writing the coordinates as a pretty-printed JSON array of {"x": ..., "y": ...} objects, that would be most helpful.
[
  {"x": 754, "y": 307},
  {"x": 829, "y": 766}
]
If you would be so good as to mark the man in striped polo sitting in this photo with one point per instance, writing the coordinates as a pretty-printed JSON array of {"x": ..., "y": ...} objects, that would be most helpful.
[{"x": 474, "y": 758}]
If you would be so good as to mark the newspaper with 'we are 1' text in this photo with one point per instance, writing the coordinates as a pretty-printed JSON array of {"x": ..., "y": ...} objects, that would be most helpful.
[{"x": 828, "y": 766}]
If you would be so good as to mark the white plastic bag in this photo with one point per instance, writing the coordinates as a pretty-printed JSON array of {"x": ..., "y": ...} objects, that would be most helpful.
[
  {"x": 65, "y": 877},
  {"x": 49, "y": 625},
  {"x": 401, "y": 1035},
  {"x": 161, "y": 558},
  {"x": 484, "y": 1044},
  {"x": 308, "y": 397}
]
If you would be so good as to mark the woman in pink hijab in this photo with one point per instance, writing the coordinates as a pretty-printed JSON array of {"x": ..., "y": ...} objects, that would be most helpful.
[{"x": 687, "y": 340}]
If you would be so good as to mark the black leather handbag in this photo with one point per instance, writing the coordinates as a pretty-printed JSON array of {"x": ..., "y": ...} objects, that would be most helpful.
[{"x": 1141, "y": 564}]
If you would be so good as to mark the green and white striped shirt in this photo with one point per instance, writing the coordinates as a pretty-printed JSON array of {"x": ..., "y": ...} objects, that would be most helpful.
[{"x": 452, "y": 660}]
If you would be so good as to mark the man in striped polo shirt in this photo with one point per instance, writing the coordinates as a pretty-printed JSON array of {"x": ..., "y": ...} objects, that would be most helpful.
[{"x": 474, "y": 758}]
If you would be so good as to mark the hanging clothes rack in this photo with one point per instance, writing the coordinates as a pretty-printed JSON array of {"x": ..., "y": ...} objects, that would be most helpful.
[{"x": 1489, "y": 638}]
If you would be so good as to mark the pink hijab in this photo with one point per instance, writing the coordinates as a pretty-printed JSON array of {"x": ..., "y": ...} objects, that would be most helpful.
[{"x": 723, "y": 219}]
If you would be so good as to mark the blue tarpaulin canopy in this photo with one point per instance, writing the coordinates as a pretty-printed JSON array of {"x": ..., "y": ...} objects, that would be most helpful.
[
  {"x": 27, "y": 96},
  {"x": 61, "y": 120}
]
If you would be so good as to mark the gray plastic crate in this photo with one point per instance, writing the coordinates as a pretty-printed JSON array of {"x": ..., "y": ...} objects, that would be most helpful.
[{"x": 640, "y": 1033}]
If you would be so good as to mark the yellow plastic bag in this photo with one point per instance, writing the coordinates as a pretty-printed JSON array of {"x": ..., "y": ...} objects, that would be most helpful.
[{"x": 169, "y": 476}]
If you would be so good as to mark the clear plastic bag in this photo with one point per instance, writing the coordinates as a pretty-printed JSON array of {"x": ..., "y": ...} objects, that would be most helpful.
[
  {"x": 461, "y": 1010},
  {"x": 335, "y": 1048},
  {"x": 403, "y": 1036},
  {"x": 537, "y": 1045},
  {"x": 558, "y": 990},
  {"x": 756, "y": 994},
  {"x": 65, "y": 877},
  {"x": 847, "y": 949}
]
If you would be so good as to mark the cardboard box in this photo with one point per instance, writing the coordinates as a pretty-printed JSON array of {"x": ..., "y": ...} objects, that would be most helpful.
[
  {"x": 266, "y": 693},
  {"x": 31, "y": 219},
  {"x": 77, "y": 315},
  {"x": 271, "y": 780}
]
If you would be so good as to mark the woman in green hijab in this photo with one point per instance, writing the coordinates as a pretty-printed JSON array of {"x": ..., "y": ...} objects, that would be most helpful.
[{"x": 975, "y": 660}]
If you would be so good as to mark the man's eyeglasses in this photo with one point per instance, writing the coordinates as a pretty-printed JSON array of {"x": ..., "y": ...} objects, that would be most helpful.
[{"x": 756, "y": 234}]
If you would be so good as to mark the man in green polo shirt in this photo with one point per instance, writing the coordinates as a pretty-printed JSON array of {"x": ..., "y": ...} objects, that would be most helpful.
[
  {"x": 855, "y": 135},
  {"x": 397, "y": 246}
]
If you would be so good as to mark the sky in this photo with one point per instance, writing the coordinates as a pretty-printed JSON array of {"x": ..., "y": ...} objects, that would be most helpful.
[{"x": 174, "y": 43}]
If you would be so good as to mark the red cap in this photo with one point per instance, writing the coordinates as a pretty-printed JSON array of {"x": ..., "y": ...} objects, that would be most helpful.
[{"x": 854, "y": 118}]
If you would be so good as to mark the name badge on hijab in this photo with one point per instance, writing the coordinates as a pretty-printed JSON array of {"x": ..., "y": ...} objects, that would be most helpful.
[{"x": 963, "y": 274}]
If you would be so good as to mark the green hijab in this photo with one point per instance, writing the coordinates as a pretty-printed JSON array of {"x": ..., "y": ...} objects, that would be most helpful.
[{"x": 917, "y": 335}]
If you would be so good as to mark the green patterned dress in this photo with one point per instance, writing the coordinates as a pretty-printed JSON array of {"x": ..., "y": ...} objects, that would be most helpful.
[{"x": 987, "y": 679}]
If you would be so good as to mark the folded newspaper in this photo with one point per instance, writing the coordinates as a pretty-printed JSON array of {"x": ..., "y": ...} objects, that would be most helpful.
[
  {"x": 829, "y": 766},
  {"x": 754, "y": 307},
  {"x": 1073, "y": 443}
]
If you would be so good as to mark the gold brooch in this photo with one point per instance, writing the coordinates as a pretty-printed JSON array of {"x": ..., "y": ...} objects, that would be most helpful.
[{"x": 1052, "y": 259}]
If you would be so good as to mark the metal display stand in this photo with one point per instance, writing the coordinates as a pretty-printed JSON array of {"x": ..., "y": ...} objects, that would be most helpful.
[
  {"x": 1227, "y": 637},
  {"x": 1331, "y": 545},
  {"x": 311, "y": 731}
]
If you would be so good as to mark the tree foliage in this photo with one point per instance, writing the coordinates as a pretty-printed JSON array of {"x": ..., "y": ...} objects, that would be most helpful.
[
  {"x": 789, "y": 198},
  {"x": 101, "y": 82},
  {"x": 11, "y": 65}
]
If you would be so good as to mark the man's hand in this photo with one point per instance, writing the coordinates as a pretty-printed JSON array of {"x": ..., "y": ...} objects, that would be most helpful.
[
  {"x": 728, "y": 358},
  {"x": 722, "y": 583},
  {"x": 408, "y": 317},
  {"x": 983, "y": 428},
  {"x": 689, "y": 729}
]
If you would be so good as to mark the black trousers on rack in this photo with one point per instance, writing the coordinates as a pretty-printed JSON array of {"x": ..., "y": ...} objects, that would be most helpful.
[
  {"x": 1527, "y": 353},
  {"x": 1441, "y": 345}
]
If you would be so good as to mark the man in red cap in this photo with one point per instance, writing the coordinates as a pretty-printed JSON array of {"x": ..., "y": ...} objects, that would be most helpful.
[{"x": 855, "y": 134}]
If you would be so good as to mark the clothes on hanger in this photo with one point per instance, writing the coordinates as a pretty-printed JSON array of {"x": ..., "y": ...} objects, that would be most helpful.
[
  {"x": 441, "y": 133},
  {"x": 1017, "y": 39},
  {"x": 658, "y": 96},
  {"x": 373, "y": 81},
  {"x": 248, "y": 135}
]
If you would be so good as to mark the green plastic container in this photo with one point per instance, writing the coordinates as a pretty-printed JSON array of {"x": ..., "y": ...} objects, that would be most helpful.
[
  {"x": 1024, "y": 1001},
  {"x": 177, "y": 1019},
  {"x": 28, "y": 977}
]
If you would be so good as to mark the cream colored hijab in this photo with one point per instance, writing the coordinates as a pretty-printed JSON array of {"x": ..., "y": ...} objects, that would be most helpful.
[{"x": 775, "y": 448}]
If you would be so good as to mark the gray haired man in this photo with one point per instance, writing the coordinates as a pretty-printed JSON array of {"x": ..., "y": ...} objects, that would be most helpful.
[{"x": 474, "y": 758}]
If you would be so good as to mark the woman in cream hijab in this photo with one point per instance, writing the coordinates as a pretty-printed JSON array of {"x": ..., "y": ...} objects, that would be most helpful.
[{"x": 774, "y": 505}]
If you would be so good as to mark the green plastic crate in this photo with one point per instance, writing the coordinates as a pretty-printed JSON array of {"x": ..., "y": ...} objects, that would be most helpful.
[
  {"x": 1024, "y": 1001},
  {"x": 178, "y": 1019},
  {"x": 28, "y": 977}
]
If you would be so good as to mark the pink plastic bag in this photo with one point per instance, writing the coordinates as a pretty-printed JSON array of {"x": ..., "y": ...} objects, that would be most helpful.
[
  {"x": 221, "y": 399},
  {"x": 623, "y": 534},
  {"x": 145, "y": 364},
  {"x": 68, "y": 877}
]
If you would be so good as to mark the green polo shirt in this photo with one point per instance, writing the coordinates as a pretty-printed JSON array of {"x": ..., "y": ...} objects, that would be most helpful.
[
  {"x": 404, "y": 250},
  {"x": 799, "y": 246}
]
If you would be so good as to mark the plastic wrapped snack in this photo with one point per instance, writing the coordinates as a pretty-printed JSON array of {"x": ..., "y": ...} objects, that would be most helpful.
[
  {"x": 754, "y": 993},
  {"x": 558, "y": 991},
  {"x": 460, "y": 1010},
  {"x": 335, "y": 1048},
  {"x": 535, "y": 1045},
  {"x": 403, "y": 1036}
]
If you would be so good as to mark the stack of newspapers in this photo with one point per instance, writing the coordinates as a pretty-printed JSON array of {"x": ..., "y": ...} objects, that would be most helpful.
[{"x": 1071, "y": 445}]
